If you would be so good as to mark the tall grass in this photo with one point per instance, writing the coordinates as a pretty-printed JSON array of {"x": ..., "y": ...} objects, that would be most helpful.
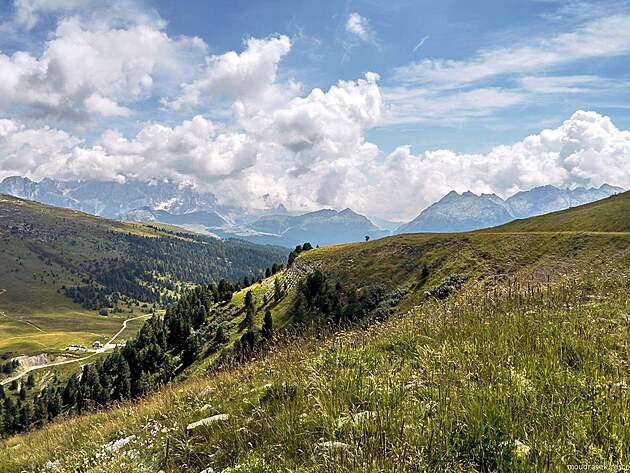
[{"x": 517, "y": 378}]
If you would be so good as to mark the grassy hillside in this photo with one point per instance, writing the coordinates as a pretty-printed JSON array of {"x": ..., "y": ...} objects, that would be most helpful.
[
  {"x": 504, "y": 350},
  {"x": 126, "y": 267},
  {"x": 607, "y": 215}
]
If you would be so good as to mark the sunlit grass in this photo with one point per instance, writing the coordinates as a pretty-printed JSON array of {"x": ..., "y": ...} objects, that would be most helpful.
[{"x": 507, "y": 380}]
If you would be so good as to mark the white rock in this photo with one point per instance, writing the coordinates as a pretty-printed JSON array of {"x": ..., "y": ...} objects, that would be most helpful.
[
  {"x": 206, "y": 392},
  {"x": 521, "y": 449},
  {"x": 116, "y": 445},
  {"x": 52, "y": 466},
  {"x": 333, "y": 446},
  {"x": 208, "y": 421},
  {"x": 152, "y": 426}
]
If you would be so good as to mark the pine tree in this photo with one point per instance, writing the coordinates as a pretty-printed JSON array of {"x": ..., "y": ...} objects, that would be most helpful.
[
  {"x": 191, "y": 350},
  {"x": 122, "y": 384},
  {"x": 24, "y": 416},
  {"x": 267, "y": 327},
  {"x": 9, "y": 415},
  {"x": 220, "y": 336},
  {"x": 425, "y": 271},
  {"x": 249, "y": 316},
  {"x": 70, "y": 392},
  {"x": 300, "y": 308}
]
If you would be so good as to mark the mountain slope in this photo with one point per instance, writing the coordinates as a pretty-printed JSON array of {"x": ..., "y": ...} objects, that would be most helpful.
[
  {"x": 459, "y": 213},
  {"x": 108, "y": 198},
  {"x": 53, "y": 255},
  {"x": 324, "y": 227},
  {"x": 607, "y": 215},
  {"x": 166, "y": 202},
  {"x": 483, "y": 351}
]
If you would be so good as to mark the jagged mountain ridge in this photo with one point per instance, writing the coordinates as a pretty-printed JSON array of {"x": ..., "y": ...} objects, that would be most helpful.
[
  {"x": 176, "y": 204},
  {"x": 166, "y": 202},
  {"x": 468, "y": 211},
  {"x": 323, "y": 227},
  {"x": 112, "y": 199},
  {"x": 547, "y": 199}
]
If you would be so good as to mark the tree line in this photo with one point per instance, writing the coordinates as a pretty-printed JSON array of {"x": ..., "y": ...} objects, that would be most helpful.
[
  {"x": 164, "y": 347},
  {"x": 151, "y": 268}
]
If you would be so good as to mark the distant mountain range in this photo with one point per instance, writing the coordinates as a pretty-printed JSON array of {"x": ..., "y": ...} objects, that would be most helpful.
[
  {"x": 468, "y": 211},
  {"x": 176, "y": 204},
  {"x": 323, "y": 227},
  {"x": 166, "y": 202},
  {"x": 112, "y": 199}
]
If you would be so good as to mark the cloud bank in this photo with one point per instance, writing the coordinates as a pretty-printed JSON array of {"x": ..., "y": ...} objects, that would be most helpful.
[
  {"x": 314, "y": 154},
  {"x": 275, "y": 140}
]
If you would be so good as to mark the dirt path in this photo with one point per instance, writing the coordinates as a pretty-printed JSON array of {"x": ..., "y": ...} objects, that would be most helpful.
[
  {"x": 2, "y": 291},
  {"x": 76, "y": 360}
]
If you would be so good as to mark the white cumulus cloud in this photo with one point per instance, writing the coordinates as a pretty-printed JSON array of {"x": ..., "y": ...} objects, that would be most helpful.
[
  {"x": 586, "y": 150},
  {"x": 249, "y": 74},
  {"x": 91, "y": 69}
]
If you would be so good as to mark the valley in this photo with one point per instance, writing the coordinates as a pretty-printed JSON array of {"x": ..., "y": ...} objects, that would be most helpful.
[
  {"x": 109, "y": 345},
  {"x": 503, "y": 349}
]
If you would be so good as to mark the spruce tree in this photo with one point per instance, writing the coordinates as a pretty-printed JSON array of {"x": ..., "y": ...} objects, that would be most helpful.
[
  {"x": 220, "y": 336},
  {"x": 267, "y": 327}
]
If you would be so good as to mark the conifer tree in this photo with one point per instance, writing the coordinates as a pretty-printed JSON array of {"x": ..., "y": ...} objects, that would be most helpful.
[
  {"x": 267, "y": 327},
  {"x": 220, "y": 336}
]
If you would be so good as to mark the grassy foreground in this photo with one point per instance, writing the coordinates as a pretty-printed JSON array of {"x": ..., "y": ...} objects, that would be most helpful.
[{"x": 518, "y": 379}]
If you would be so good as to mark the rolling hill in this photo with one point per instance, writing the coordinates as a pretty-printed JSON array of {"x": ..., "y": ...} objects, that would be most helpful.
[
  {"x": 498, "y": 350},
  {"x": 60, "y": 268},
  {"x": 607, "y": 215}
]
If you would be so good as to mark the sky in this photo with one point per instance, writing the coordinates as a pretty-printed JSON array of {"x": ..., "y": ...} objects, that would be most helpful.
[{"x": 383, "y": 107}]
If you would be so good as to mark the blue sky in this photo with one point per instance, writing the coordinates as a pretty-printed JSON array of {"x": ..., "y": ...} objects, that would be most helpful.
[{"x": 380, "y": 106}]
